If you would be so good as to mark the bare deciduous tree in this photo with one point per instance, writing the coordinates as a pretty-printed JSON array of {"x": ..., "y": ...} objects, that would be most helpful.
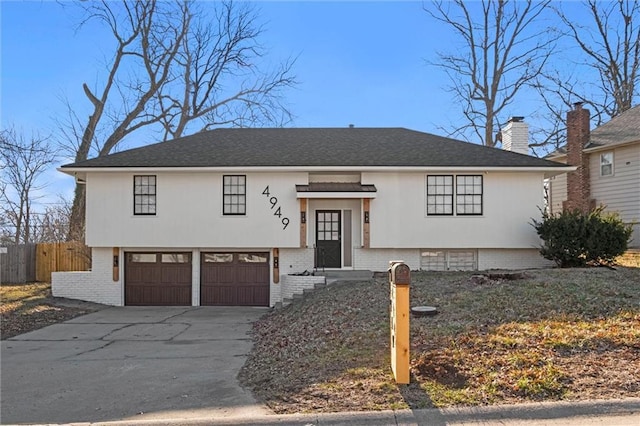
[
  {"x": 147, "y": 40},
  {"x": 172, "y": 68},
  {"x": 611, "y": 44},
  {"x": 52, "y": 224},
  {"x": 501, "y": 52},
  {"x": 214, "y": 51},
  {"x": 22, "y": 162}
]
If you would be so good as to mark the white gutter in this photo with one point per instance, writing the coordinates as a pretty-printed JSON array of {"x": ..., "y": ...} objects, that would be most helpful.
[{"x": 73, "y": 171}]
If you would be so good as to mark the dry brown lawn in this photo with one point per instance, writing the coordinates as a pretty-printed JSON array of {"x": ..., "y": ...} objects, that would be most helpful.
[
  {"x": 550, "y": 335},
  {"x": 27, "y": 307}
]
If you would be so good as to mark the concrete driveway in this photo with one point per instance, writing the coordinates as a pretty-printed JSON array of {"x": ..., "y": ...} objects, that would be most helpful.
[{"x": 130, "y": 363}]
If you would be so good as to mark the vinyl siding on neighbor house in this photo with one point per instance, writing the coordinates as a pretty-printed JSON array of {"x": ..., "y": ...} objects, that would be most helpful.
[
  {"x": 557, "y": 192},
  {"x": 620, "y": 191}
]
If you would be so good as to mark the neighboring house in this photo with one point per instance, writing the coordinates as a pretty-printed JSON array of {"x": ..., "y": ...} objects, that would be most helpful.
[
  {"x": 608, "y": 167},
  {"x": 237, "y": 216}
]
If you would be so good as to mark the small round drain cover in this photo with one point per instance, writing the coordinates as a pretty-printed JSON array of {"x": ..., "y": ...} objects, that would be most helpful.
[{"x": 423, "y": 311}]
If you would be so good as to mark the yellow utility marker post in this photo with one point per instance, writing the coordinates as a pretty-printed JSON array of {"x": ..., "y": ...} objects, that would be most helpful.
[{"x": 399, "y": 281}]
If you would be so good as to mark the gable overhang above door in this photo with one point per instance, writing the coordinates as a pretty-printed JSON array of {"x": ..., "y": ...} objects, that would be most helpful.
[{"x": 336, "y": 190}]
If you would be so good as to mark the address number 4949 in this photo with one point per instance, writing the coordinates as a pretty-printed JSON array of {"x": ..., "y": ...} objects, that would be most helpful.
[{"x": 273, "y": 200}]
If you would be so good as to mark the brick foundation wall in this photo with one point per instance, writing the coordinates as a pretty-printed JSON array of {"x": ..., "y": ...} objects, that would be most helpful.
[
  {"x": 511, "y": 259},
  {"x": 96, "y": 285},
  {"x": 292, "y": 261},
  {"x": 296, "y": 284},
  {"x": 295, "y": 261},
  {"x": 377, "y": 260},
  {"x": 195, "y": 277}
]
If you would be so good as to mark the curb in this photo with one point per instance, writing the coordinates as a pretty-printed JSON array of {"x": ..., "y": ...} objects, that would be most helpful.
[{"x": 610, "y": 412}]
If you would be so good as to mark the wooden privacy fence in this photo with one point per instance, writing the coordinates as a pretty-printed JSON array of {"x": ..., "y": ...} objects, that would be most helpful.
[
  {"x": 18, "y": 264},
  {"x": 57, "y": 257},
  {"x": 35, "y": 262}
]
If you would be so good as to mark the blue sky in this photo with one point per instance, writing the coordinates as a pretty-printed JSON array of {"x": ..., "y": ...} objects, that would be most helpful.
[{"x": 363, "y": 63}]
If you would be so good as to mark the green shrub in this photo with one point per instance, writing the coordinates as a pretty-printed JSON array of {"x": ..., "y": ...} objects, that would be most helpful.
[{"x": 573, "y": 238}]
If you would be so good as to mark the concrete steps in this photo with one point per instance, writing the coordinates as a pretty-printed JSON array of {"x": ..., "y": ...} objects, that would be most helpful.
[{"x": 330, "y": 278}]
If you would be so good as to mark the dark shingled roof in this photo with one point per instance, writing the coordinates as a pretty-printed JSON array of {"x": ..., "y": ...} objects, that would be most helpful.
[{"x": 289, "y": 147}]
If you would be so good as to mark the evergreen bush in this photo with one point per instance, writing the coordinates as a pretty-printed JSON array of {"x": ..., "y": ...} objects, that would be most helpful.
[{"x": 574, "y": 239}]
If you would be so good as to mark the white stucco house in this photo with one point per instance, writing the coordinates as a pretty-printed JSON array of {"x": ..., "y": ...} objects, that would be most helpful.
[{"x": 230, "y": 216}]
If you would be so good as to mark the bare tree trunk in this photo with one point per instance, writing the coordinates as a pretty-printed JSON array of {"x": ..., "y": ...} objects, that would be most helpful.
[
  {"x": 139, "y": 34},
  {"x": 182, "y": 60},
  {"x": 78, "y": 211}
]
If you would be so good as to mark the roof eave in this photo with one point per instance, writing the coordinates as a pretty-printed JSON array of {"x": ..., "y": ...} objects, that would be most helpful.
[
  {"x": 552, "y": 173},
  {"x": 79, "y": 175},
  {"x": 610, "y": 146},
  {"x": 602, "y": 147},
  {"x": 76, "y": 171}
]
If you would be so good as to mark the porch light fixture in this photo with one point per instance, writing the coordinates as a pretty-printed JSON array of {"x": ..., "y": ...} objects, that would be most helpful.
[
  {"x": 366, "y": 217},
  {"x": 303, "y": 217}
]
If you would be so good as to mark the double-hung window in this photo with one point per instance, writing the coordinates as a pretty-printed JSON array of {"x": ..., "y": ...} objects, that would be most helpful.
[
  {"x": 440, "y": 195},
  {"x": 606, "y": 164},
  {"x": 469, "y": 195},
  {"x": 234, "y": 192},
  {"x": 444, "y": 198},
  {"x": 144, "y": 195}
]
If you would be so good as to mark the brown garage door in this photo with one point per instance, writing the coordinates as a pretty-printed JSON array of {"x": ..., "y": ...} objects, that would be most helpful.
[
  {"x": 234, "y": 279},
  {"x": 157, "y": 279}
]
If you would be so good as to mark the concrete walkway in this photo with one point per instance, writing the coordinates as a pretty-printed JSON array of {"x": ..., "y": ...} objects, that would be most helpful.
[{"x": 124, "y": 363}]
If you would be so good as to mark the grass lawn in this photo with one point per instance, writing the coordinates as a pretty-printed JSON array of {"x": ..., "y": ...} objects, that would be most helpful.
[
  {"x": 27, "y": 307},
  {"x": 550, "y": 335}
]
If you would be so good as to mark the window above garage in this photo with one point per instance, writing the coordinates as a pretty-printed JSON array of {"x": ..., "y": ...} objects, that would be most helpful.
[
  {"x": 234, "y": 202},
  {"x": 144, "y": 195}
]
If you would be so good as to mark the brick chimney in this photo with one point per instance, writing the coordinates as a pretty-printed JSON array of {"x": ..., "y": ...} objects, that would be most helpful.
[
  {"x": 578, "y": 184},
  {"x": 515, "y": 136}
]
